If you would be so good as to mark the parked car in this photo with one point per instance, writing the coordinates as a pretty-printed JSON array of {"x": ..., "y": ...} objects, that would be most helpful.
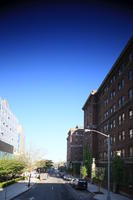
[
  {"x": 73, "y": 181},
  {"x": 67, "y": 177},
  {"x": 80, "y": 184}
]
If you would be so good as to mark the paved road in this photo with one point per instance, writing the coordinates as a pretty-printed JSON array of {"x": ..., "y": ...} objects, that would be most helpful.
[{"x": 52, "y": 189}]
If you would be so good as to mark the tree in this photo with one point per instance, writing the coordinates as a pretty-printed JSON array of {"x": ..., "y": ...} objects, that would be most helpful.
[
  {"x": 49, "y": 164},
  {"x": 87, "y": 159},
  {"x": 68, "y": 170},
  {"x": 76, "y": 169},
  {"x": 40, "y": 165},
  {"x": 84, "y": 171},
  {"x": 99, "y": 177},
  {"x": 117, "y": 172},
  {"x": 11, "y": 167}
]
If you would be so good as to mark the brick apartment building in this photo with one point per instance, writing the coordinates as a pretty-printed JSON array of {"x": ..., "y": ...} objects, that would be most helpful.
[
  {"x": 75, "y": 147},
  {"x": 110, "y": 110}
]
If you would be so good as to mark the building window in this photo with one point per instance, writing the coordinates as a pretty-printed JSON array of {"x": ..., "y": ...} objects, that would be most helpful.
[
  {"x": 106, "y": 89},
  {"x": 114, "y": 123},
  {"x": 122, "y": 83},
  {"x": 111, "y": 125},
  {"x": 130, "y": 75},
  {"x": 123, "y": 135},
  {"x": 119, "y": 103},
  {"x": 105, "y": 102},
  {"x": 119, "y": 136},
  {"x": 123, "y": 100},
  {"x": 119, "y": 72},
  {"x": 119, "y": 119},
  {"x": 119, "y": 86},
  {"x": 112, "y": 140},
  {"x": 113, "y": 93},
  {"x": 131, "y": 133},
  {"x": 105, "y": 155},
  {"x": 118, "y": 152},
  {"x": 130, "y": 93},
  {"x": 131, "y": 151},
  {"x": 111, "y": 110},
  {"x": 130, "y": 114},
  {"x": 123, "y": 116}
]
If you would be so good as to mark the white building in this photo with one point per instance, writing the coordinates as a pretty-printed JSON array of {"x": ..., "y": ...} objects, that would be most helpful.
[{"x": 9, "y": 124}]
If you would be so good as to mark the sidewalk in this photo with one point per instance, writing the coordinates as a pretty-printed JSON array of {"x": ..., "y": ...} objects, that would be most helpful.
[
  {"x": 93, "y": 188},
  {"x": 14, "y": 190}
]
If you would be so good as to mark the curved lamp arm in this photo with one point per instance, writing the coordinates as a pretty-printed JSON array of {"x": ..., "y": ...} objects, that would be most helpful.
[{"x": 92, "y": 130}]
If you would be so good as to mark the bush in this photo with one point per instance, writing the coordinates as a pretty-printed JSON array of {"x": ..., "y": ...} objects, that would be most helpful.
[
  {"x": 84, "y": 172},
  {"x": 10, "y": 182}
]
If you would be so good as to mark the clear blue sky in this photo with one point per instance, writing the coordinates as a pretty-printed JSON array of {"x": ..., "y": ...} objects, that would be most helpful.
[{"x": 51, "y": 57}]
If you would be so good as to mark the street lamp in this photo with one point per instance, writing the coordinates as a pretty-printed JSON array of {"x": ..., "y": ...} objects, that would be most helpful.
[{"x": 108, "y": 137}]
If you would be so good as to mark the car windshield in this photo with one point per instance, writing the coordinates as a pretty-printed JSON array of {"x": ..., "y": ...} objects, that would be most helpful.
[{"x": 81, "y": 179}]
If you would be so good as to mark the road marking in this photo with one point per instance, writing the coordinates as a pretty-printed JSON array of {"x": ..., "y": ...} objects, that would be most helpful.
[
  {"x": 52, "y": 188},
  {"x": 31, "y": 198}
]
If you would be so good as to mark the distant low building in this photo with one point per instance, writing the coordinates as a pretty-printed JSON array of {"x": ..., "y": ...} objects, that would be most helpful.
[{"x": 75, "y": 147}]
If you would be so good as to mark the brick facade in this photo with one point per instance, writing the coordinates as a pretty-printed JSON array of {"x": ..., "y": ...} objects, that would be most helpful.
[
  {"x": 75, "y": 146},
  {"x": 110, "y": 110}
]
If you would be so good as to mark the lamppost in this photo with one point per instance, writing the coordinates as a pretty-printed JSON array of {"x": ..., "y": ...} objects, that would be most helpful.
[
  {"x": 29, "y": 180},
  {"x": 108, "y": 138}
]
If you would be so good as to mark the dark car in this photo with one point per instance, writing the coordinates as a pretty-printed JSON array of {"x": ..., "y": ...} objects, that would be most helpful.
[{"x": 80, "y": 184}]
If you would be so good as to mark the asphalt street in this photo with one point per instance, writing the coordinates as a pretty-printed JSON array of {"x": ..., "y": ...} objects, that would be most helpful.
[{"x": 51, "y": 189}]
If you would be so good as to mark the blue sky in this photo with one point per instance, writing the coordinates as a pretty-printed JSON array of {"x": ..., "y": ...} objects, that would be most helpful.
[{"x": 51, "y": 57}]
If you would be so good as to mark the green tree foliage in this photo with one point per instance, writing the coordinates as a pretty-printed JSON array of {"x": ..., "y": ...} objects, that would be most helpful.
[
  {"x": 11, "y": 167},
  {"x": 87, "y": 159},
  {"x": 117, "y": 171},
  {"x": 40, "y": 163},
  {"x": 49, "y": 164},
  {"x": 84, "y": 171},
  {"x": 43, "y": 165},
  {"x": 76, "y": 169},
  {"x": 99, "y": 177}
]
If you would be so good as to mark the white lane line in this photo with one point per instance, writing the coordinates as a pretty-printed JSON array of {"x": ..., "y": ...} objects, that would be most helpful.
[{"x": 31, "y": 198}]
